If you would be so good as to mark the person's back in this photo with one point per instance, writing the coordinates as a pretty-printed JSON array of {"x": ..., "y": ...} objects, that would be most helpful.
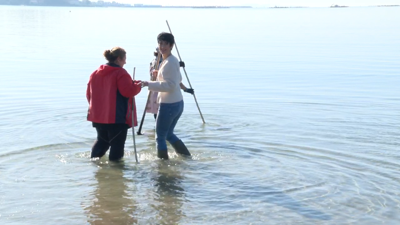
[
  {"x": 108, "y": 92},
  {"x": 152, "y": 104},
  {"x": 107, "y": 104}
]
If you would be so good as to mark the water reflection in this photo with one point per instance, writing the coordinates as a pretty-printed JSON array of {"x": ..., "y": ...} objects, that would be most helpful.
[
  {"x": 169, "y": 193},
  {"x": 112, "y": 203}
]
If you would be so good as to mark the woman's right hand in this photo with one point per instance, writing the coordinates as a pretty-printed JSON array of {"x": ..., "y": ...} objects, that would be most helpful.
[
  {"x": 154, "y": 74},
  {"x": 145, "y": 83}
]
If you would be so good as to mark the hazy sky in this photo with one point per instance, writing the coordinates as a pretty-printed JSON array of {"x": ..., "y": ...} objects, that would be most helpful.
[{"x": 316, "y": 3}]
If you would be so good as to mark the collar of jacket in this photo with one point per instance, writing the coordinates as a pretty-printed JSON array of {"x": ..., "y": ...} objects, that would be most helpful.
[{"x": 112, "y": 64}]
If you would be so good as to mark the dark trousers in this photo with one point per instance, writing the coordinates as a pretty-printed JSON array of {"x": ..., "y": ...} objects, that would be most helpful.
[{"x": 110, "y": 135}]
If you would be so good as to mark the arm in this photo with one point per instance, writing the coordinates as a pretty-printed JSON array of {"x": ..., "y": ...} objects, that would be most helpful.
[
  {"x": 126, "y": 86},
  {"x": 153, "y": 74},
  {"x": 88, "y": 92},
  {"x": 170, "y": 74},
  {"x": 152, "y": 68},
  {"x": 185, "y": 89}
]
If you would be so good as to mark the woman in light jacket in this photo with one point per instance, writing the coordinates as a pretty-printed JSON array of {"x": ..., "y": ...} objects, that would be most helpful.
[
  {"x": 169, "y": 97},
  {"x": 152, "y": 104}
]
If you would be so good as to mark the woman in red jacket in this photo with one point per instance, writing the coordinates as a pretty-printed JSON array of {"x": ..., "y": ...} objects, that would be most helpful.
[{"x": 109, "y": 92}]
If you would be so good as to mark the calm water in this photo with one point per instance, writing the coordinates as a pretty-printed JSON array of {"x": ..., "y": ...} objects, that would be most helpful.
[{"x": 302, "y": 111}]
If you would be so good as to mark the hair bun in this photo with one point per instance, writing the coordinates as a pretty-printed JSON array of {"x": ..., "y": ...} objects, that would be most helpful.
[{"x": 114, "y": 53}]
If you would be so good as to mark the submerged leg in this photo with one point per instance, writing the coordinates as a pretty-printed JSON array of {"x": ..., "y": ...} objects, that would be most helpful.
[
  {"x": 162, "y": 154},
  {"x": 163, "y": 122},
  {"x": 117, "y": 141},
  {"x": 101, "y": 145},
  {"x": 180, "y": 148},
  {"x": 176, "y": 143}
]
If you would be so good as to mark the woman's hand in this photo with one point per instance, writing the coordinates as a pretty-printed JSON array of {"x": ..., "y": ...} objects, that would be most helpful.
[
  {"x": 145, "y": 83},
  {"x": 154, "y": 74},
  {"x": 189, "y": 90}
]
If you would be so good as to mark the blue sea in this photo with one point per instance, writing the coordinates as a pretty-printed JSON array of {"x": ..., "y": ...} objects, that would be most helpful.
[{"x": 301, "y": 110}]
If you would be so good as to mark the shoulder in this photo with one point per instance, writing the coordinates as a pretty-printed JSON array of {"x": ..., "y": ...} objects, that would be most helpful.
[
  {"x": 121, "y": 72},
  {"x": 172, "y": 61}
]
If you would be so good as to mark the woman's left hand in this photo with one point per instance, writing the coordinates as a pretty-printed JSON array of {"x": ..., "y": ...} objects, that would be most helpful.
[{"x": 189, "y": 90}]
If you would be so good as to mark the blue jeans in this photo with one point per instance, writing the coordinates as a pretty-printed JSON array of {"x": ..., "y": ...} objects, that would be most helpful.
[{"x": 167, "y": 118}]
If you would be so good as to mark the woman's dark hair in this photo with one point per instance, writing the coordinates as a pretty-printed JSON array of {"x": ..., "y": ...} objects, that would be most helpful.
[
  {"x": 167, "y": 37},
  {"x": 114, "y": 53}
]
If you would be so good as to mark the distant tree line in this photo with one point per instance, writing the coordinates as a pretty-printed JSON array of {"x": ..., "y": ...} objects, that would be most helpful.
[{"x": 40, "y": 2}]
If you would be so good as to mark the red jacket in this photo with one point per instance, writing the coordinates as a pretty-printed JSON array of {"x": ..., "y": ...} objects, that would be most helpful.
[{"x": 110, "y": 92}]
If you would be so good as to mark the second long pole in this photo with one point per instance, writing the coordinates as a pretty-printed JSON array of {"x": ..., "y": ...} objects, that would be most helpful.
[
  {"x": 157, "y": 64},
  {"x": 180, "y": 59},
  {"x": 133, "y": 120}
]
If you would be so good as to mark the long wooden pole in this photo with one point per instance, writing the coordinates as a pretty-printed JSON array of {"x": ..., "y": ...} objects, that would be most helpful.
[
  {"x": 144, "y": 114},
  {"x": 195, "y": 99},
  {"x": 133, "y": 120},
  {"x": 148, "y": 97}
]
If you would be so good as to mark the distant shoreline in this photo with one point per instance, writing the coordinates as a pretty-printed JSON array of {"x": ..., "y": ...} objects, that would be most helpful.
[
  {"x": 166, "y": 7},
  {"x": 119, "y": 5},
  {"x": 114, "y": 4},
  {"x": 388, "y": 5}
]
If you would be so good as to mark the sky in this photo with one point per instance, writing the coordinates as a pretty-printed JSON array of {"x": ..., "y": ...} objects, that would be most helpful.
[{"x": 309, "y": 3}]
